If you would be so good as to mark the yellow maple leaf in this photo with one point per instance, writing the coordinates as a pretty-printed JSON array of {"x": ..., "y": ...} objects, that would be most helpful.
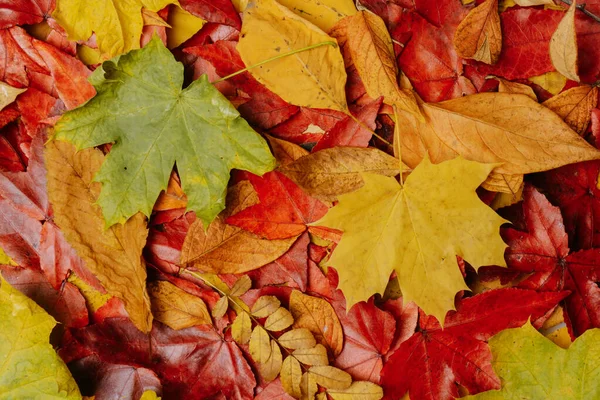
[{"x": 417, "y": 230}]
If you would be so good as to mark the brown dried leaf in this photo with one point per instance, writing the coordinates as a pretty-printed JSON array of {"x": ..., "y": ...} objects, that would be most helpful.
[
  {"x": 291, "y": 376},
  {"x": 319, "y": 317},
  {"x": 575, "y": 106},
  {"x": 313, "y": 356},
  {"x": 563, "y": 46},
  {"x": 279, "y": 320},
  {"x": 114, "y": 255},
  {"x": 176, "y": 308},
  {"x": 300, "y": 338},
  {"x": 479, "y": 35}
]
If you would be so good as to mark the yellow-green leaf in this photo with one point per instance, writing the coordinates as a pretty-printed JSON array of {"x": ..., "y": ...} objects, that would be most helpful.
[
  {"x": 176, "y": 308},
  {"x": 416, "y": 230}
]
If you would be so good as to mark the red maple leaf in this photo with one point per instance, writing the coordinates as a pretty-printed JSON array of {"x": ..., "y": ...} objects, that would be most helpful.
[
  {"x": 219, "y": 11},
  {"x": 24, "y": 12},
  {"x": 428, "y": 365}
]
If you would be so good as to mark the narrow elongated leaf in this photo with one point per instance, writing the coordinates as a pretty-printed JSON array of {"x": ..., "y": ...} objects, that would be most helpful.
[
  {"x": 291, "y": 375},
  {"x": 563, "y": 46}
]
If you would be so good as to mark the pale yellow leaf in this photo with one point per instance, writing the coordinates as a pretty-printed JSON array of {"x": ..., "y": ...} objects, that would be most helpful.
[
  {"x": 553, "y": 82},
  {"x": 417, "y": 230},
  {"x": 510, "y": 130},
  {"x": 8, "y": 94},
  {"x": 176, "y": 308},
  {"x": 241, "y": 286},
  {"x": 575, "y": 106},
  {"x": 241, "y": 329},
  {"x": 227, "y": 249},
  {"x": 183, "y": 26},
  {"x": 291, "y": 375},
  {"x": 323, "y": 13},
  {"x": 314, "y": 356},
  {"x": 329, "y": 173},
  {"x": 265, "y": 306},
  {"x": 300, "y": 338},
  {"x": 360, "y": 390},
  {"x": 114, "y": 255},
  {"x": 479, "y": 35},
  {"x": 279, "y": 320},
  {"x": 271, "y": 368},
  {"x": 319, "y": 317},
  {"x": 330, "y": 377},
  {"x": 563, "y": 46},
  {"x": 506, "y": 86},
  {"x": 315, "y": 78},
  {"x": 220, "y": 308}
]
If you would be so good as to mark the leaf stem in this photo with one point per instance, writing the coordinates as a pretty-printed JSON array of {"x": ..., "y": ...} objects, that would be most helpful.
[
  {"x": 277, "y": 57},
  {"x": 583, "y": 9}
]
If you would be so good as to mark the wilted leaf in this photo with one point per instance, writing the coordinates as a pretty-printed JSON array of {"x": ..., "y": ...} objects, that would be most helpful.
[
  {"x": 479, "y": 35},
  {"x": 279, "y": 320},
  {"x": 563, "y": 46},
  {"x": 291, "y": 375},
  {"x": 357, "y": 391},
  {"x": 299, "y": 338},
  {"x": 532, "y": 367},
  {"x": 575, "y": 106},
  {"x": 312, "y": 356},
  {"x": 329, "y": 173},
  {"x": 175, "y": 307},
  {"x": 265, "y": 306},
  {"x": 330, "y": 377},
  {"x": 313, "y": 78},
  {"x": 416, "y": 230},
  {"x": 144, "y": 89},
  {"x": 493, "y": 128},
  {"x": 29, "y": 367},
  {"x": 114, "y": 255},
  {"x": 241, "y": 329},
  {"x": 317, "y": 316},
  {"x": 323, "y": 13}
]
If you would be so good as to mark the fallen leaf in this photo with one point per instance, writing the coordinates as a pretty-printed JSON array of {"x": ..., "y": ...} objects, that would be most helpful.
[
  {"x": 458, "y": 352},
  {"x": 134, "y": 173},
  {"x": 479, "y": 35},
  {"x": 357, "y": 391},
  {"x": 240, "y": 286},
  {"x": 319, "y": 317},
  {"x": 329, "y": 173},
  {"x": 30, "y": 367},
  {"x": 114, "y": 254},
  {"x": 312, "y": 356},
  {"x": 563, "y": 45},
  {"x": 265, "y": 306},
  {"x": 494, "y": 128},
  {"x": 319, "y": 75},
  {"x": 323, "y": 13},
  {"x": 575, "y": 106},
  {"x": 531, "y": 366},
  {"x": 24, "y": 12},
  {"x": 217, "y": 11},
  {"x": 279, "y": 320},
  {"x": 533, "y": 3},
  {"x": 5, "y": 259},
  {"x": 291, "y": 375},
  {"x": 432, "y": 196},
  {"x": 223, "y": 248},
  {"x": 183, "y": 26},
  {"x": 553, "y": 82},
  {"x": 506, "y": 86},
  {"x": 285, "y": 152},
  {"x": 175, "y": 307},
  {"x": 8, "y": 94},
  {"x": 299, "y": 338},
  {"x": 330, "y": 377},
  {"x": 241, "y": 329}
]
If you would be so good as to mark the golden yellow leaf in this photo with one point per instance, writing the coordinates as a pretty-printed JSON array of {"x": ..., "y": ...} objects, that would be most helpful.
[
  {"x": 319, "y": 317},
  {"x": 330, "y": 172},
  {"x": 553, "y": 82},
  {"x": 152, "y": 18},
  {"x": 279, "y": 320},
  {"x": 291, "y": 375},
  {"x": 241, "y": 329},
  {"x": 113, "y": 255},
  {"x": 532, "y": 3},
  {"x": 416, "y": 230},
  {"x": 173, "y": 197},
  {"x": 330, "y": 377},
  {"x": 506, "y": 86},
  {"x": 308, "y": 386},
  {"x": 300, "y": 338},
  {"x": 323, "y": 13},
  {"x": 183, "y": 26},
  {"x": 563, "y": 46},
  {"x": 176, "y": 308},
  {"x": 285, "y": 152},
  {"x": 361, "y": 390},
  {"x": 479, "y": 35},
  {"x": 150, "y": 395},
  {"x": 117, "y": 24},
  {"x": 260, "y": 345},
  {"x": 220, "y": 308},
  {"x": 5, "y": 259},
  {"x": 271, "y": 368},
  {"x": 372, "y": 53},
  {"x": 314, "y": 78},
  {"x": 94, "y": 299},
  {"x": 88, "y": 55},
  {"x": 226, "y": 249},
  {"x": 314, "y": 356},
  {"x": 507, "y": 129},
  {"x": 507, "y": 199},
  {"x": 241, "y": 286},
  {"x": 8, "y": 94},
  {"x": 265, "y": 306},
  {"x": 575, "y": 106}
]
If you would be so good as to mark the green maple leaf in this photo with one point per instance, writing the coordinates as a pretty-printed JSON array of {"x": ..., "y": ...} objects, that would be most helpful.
[
  {"x": 29, "y": 366},
  {"x": 154, "y": 124},
  {"x": 532, "y": 367}
]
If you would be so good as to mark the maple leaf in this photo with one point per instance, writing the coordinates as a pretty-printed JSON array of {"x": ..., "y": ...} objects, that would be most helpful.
[
  {"x": 531, "y": 366},
  {"x": 219, "y": 11},
  {"x": 575, "y": 106},
  {"x": 197, "y": 118},
  {"x": 284, "y": 209},
  {"x": 458, "y": 353},
  {"x": 541, "y": 255},
  {"x": 30, "y": 368},
  {"x": 416, "y": 230},
  {"x": 24, "y": 12}
]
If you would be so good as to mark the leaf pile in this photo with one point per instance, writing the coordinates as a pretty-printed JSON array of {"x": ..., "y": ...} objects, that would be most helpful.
[{"x": 299, "y": 199}]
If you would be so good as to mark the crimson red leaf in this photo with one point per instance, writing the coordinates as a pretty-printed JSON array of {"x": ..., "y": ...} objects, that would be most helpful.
[
  {"x": 458, "y": 353},
  {"x": 24, "y": 12},
  {"x": 220, "y": 11}
]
